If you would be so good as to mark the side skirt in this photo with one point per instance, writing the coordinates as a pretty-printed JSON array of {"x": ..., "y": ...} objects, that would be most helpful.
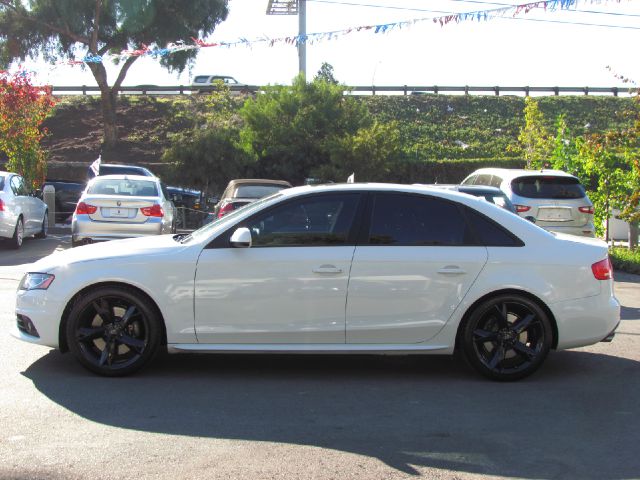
[{"x": 342, "y": 349}]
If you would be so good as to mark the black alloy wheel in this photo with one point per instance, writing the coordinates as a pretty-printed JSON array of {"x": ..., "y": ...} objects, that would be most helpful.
[
  {"x": 507, "y": 337},
  {"x": 113, "y": 331}
]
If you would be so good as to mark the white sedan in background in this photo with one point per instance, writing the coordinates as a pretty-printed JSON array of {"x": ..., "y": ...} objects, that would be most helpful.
[
  {"x": 22, "y": 214},
  {"x": 357, "y": 268}
]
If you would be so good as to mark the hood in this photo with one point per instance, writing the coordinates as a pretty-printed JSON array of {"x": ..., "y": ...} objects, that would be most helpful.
[{"x": 142, "y": 246}]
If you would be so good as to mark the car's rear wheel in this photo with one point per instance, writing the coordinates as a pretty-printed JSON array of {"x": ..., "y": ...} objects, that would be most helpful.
[
  {"x": 18, "y": 235},
  {"x": 507, "y": 337},
  {"x": 45, "y": 227},
  {"x": 113, "y": 331}
]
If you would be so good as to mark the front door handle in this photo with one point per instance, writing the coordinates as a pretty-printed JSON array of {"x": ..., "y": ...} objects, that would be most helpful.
[
  {"x": 451, "y": 270},
  {"x": 327, "y": 269}
]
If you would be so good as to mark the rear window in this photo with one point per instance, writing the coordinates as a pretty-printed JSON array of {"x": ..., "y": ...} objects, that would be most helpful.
[
  {"x": 548, "y": 187},
  {"x": 1, "y": 183},
  {"x": 257, "y": 191},
  {"x": 201, "y": 79},
  {"x": 130, "y": 188}
]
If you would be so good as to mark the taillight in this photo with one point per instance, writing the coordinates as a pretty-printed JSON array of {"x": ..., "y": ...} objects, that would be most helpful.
[
  {"x": 587, "y": 209},
  {"x": 522, "y": 208},
  {"x": 602, "y": 270},
  {"x": 85, "y": 209},
  {"x": 1, "y": 205},
  {"x": 225, "y": 209},
  {"x": 154, "y": 211}
]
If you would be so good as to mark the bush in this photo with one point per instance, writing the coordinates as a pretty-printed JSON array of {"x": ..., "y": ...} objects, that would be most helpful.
[{"x": 625, "y": 259}]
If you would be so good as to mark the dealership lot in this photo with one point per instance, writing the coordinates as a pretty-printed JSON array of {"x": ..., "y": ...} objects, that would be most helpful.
[{"x": 316, "y": 417}]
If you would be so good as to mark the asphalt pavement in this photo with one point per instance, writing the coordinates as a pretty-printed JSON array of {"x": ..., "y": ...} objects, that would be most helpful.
[{"x": 339, "y": 417}]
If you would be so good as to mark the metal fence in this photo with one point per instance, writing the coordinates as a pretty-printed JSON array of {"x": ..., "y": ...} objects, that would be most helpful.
[{"x": 365, "y": 90}]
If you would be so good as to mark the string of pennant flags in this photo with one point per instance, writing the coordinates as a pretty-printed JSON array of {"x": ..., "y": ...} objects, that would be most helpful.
[{"x": 311, "y": 38}]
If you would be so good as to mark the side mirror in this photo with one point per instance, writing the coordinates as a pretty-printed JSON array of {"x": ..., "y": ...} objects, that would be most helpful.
[{"x": 241, "y": 238}]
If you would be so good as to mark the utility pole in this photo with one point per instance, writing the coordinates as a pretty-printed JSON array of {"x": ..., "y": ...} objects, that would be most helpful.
[{"x": 294, "y": 7}]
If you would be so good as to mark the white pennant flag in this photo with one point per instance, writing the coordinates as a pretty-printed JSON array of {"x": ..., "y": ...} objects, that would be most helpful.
[
  {"x": 95, "y": 166},
  {"x": 352, "y": 178}
]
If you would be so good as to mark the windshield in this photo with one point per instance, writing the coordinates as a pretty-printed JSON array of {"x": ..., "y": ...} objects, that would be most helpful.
[
  {"x": 205, "y": 231},
  {"x": 137, "y": 188},
  {"x": 548, "y": 187}
]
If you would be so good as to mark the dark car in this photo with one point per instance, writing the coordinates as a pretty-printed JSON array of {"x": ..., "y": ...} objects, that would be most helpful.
[
  {"x": 67, "y": 193},
  {"x": 242, "y": 191}
]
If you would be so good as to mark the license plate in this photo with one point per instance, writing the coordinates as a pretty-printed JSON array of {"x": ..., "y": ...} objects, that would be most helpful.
[
  {"x": 118, "y": 213},
  {"x": 554, "y": 214}
]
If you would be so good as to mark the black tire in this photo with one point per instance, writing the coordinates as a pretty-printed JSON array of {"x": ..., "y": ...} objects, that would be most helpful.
[
  {"x": 18, "y": 235},
  {"x": 45, "y": 226},
  {"x": 113, "y": 331},
  {"x": 507, "y": 337}
]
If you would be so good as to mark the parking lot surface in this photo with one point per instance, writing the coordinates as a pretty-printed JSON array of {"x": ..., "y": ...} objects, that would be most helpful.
[{"x": 340, "y": 417}]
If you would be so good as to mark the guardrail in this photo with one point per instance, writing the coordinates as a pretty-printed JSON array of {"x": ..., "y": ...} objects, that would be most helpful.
[{"x": 371, "y": 90}]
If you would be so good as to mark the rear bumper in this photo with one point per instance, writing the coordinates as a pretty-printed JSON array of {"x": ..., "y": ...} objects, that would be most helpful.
[
  {"x": 89, "y": 230},
  {"x": 586, "y": 321}
]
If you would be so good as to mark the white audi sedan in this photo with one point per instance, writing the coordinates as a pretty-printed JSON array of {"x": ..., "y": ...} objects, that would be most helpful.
[{"x": 356, "y": 268}]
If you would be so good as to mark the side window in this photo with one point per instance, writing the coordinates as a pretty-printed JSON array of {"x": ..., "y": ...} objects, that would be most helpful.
[
  {"x": 316, "y": 221},
  {"x": 483, "y": 179},
  {"x": 407, "y": 220},
  {"x": 490, "y": 233},
  {"x": 17, "y": 185},
  {"x": 470, "y": 181},
  {"x": 495, "y": 181}
]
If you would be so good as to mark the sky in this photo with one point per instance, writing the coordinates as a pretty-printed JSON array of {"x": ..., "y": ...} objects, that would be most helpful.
[{"x": 586, "y": 45}]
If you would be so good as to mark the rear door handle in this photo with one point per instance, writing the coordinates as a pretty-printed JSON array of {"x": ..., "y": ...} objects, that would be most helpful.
[
  {"x": 327, "y": 269},
  {"x": 451, "y": 270}
]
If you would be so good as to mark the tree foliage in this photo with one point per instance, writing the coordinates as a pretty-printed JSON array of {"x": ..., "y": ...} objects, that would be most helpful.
[
  {"x": 23, "y": 108},
  {"x": 294, "y": 130},
  {"x": 72, "y": 29},
  {"x": 209, "y": 155},
  {"x": 534, "y": 138}
]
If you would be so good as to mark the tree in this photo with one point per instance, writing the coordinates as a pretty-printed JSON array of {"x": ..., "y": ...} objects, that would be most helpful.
[
  {"x": 23, "y": 108},
  {"x": 534, "y": 138},
  {"x": 71, "y": 29},
  {"x": 291, "y": 129},
  {"x": 209, "y": 155},
  {"x": 326, "y": 73}
]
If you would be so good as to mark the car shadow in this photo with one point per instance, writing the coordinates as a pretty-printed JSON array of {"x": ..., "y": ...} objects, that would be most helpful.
[
  {"x": 576, "y": 418},
  {"x": 33, "y": 249}
]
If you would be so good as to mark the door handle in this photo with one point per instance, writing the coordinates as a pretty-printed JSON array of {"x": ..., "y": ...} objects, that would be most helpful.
[
  {"x": 327, "y": 269},
  {"x": 451, "y": 270}
]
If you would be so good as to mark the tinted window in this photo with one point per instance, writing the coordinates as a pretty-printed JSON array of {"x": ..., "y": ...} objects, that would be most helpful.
[
  {"x": 1, "y": 183},
  {"x": 401, "y": 219},
  {"x": 201, "y": 79},
  {"x": 316, "y": 221},
  {"x": 547, "y": 187},
  {"x": 257, "y": 191},
  {"x": 490, "y": 233}
]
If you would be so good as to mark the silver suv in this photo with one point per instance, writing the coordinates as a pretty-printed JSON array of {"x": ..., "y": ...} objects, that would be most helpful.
[{"x": 553, "y": 199}]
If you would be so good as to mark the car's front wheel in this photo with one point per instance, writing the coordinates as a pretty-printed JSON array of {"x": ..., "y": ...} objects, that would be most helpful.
[
  {"x": 507, "y": 337},
  {"x": 113, "y": 331}
]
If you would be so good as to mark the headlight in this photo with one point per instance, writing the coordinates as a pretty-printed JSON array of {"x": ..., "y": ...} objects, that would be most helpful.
[{"x": 36, "y": 281}]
